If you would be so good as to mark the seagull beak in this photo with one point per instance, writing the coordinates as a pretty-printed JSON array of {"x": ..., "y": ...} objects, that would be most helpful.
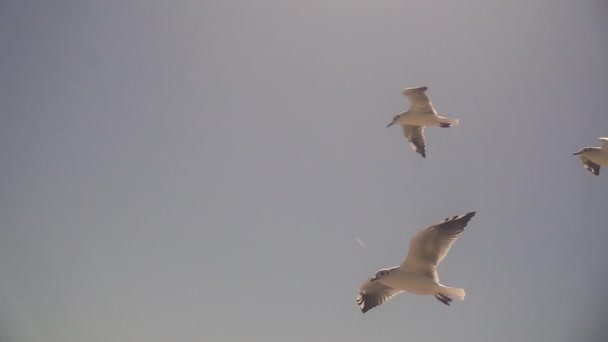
[
  {"x": 577, "y": 153},
  {"x": 389, "y": 125}
]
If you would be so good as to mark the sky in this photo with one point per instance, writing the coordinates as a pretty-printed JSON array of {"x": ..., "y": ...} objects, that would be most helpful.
[{"x": 204, "y": 170}]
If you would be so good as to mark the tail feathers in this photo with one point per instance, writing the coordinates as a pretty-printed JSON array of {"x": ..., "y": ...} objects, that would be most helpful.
[
  {"x": 453, "y": 292},
  {"x": 447, "y": 122}
]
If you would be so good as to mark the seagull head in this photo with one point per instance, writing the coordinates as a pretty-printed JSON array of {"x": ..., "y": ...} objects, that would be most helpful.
[
  {"x": 582, "y": 151},
  {"x": 395, "y": 120},
  {"x": 380, "y": 274}
]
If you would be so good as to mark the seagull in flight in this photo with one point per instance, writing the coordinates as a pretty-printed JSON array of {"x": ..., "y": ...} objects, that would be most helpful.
[
  {"x": 593, "y": 157},
  {"x": 418, "y": 272},
  {"x": 420, "y": 115}
]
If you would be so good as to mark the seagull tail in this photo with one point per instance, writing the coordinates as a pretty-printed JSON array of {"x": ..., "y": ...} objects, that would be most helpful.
[
  {"x": 447, "y": 122},
  {"x": 453, "y": 292}
]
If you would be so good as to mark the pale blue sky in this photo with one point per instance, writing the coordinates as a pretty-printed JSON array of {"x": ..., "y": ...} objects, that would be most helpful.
[{"x": 199, "y": 170}]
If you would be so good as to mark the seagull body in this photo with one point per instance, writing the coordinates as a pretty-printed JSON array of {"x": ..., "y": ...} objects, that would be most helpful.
[
  {"x": 420, "y": 115},
  {"x": 594, "y": 157},
  {"x": 418, "y": 272}
]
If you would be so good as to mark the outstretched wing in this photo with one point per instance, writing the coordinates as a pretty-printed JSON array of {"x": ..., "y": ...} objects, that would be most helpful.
[
  {"x": 374, "y": 293},
  {"x": 431, "y": 245},
  {"x": 415, "y": 136},
  {"x": 418, "y": 98}
]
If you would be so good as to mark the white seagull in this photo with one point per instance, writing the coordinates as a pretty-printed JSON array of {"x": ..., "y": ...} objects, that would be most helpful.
[
  {"x": 420, "y": 115},
  {"x": 418, "y": 272},
  {"x": 593, "y": 157}
]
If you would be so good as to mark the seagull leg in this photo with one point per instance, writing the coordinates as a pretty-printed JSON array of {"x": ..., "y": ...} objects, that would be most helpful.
[{"x": 444, "y": 299}]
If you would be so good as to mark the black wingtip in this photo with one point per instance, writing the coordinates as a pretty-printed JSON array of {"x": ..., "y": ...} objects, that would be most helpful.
[
  {"x": 365, "y": 308},
  {"x": 444, "y": 299},
  {"x": 464, "y": 218},
  {"x": 469, "y": 216}
]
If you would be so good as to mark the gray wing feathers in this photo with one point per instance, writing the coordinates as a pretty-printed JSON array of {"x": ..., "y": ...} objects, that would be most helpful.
[
  {"x": 415, "y": 136},
  {"x": 418, "y": 98},
  {"x": 373, "y": 294},
  {"x": 431, "y": 245}
]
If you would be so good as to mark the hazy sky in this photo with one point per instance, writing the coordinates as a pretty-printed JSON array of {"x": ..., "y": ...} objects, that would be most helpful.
[{"x": 201, "y": 170}]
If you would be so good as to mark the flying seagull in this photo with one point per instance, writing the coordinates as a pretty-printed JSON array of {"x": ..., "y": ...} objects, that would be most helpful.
[
  {"x": 418, "y": 272},
  {"x": 593, "y": 157},
  {"x": 420, "y": 115}
]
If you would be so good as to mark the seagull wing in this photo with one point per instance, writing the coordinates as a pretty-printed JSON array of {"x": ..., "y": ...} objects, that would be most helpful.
[
  {"x": 419, "y": 100},
  {"x": 431, "y": 245},
  {"x": 374, "y": 293},
  {"x": 590, "y": 166},
  {"x": 604, "y": 143},
  {"x": 415, "y": 136}
]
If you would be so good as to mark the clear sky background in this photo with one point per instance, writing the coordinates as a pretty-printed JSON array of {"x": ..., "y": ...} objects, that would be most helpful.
[{"x": 200, "y": 170}]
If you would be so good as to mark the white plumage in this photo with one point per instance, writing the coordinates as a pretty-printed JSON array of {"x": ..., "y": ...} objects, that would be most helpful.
[{"x": 418, "y": 272}]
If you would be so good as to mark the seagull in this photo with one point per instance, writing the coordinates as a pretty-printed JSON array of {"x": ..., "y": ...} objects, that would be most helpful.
[
  {"x": 417, "y": 274},
  {"x": 593, "y": 157},
  {"x": 420, "y": 115}
]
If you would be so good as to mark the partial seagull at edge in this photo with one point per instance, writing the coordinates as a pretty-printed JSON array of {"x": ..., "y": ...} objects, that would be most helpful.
[{"x": 594, "y": 157}]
